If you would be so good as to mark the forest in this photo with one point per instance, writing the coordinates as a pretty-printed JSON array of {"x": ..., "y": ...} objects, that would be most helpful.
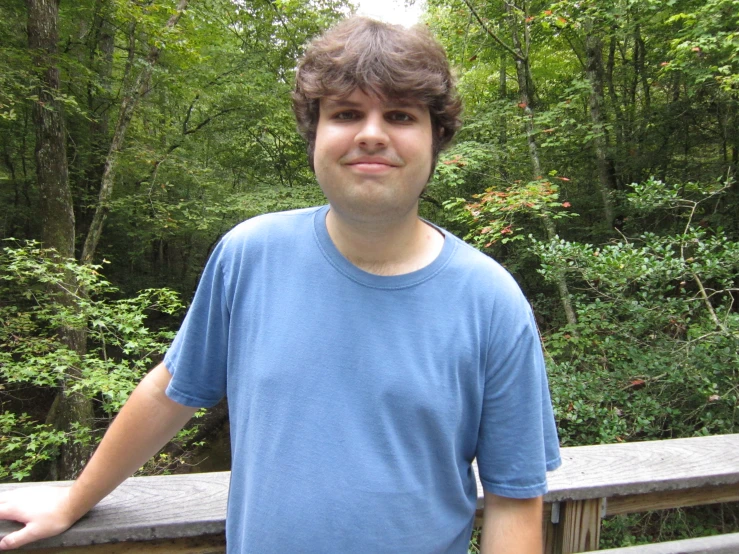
[{"x": 597, "y": 162}]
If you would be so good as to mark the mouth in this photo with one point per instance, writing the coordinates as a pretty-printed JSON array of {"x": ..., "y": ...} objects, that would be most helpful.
[
  {"x": 369, "y": 168},
  {"x": 371, "y": 165}
]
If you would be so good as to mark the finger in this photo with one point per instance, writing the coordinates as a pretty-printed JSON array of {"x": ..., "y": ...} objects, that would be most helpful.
[
  {"x": 11, "y": 512},
  {"x": 19, "y": 538},
  {"x": 13, "y": 540}
]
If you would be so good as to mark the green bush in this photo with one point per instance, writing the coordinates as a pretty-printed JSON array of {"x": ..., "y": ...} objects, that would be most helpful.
[
  {"x": 42, "y": 294},
  {"x": 655, "y": 352}
]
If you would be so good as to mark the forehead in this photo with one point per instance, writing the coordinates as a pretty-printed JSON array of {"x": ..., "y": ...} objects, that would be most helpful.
[{"x": 360, "y": 99}]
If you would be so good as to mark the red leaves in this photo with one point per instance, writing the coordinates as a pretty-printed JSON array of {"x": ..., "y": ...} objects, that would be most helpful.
[
  {"x": 458, "y": 161},
  {"x": 522, "y": 105},
  {"x": 566, "y": 204}
]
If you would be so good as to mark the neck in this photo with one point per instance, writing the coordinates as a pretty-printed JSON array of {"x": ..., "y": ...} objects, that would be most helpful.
[{"x": 387, "y": 248}]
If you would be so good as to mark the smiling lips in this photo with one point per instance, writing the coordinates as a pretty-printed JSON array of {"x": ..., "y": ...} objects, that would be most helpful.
[{"x": 372, "y": 164}]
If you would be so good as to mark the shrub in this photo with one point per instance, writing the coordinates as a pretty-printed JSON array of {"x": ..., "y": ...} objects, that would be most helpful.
[{"x": 40, "y": 294}]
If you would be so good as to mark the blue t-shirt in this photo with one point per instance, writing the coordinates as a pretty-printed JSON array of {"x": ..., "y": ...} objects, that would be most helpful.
[{"x": 357, "y": 402}]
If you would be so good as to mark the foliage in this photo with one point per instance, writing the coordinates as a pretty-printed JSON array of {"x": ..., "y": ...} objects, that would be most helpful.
[
  {"x": 655, "y": 352},
  {"x": 492, "y": 217},
  {"x": 211, "y": 132},
  {"x": 474, "y": 546},
  {"x": 122, "y": 343},
  {"x": 667, "y": 525},
  {"x": 706, "y": 44},
  {"x": 26, "y": 443},
  {"x": 212, "y": 142}
]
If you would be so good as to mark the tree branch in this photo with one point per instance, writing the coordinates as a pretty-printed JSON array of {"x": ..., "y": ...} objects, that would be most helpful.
[
  {"x": 511, "y": 51},
  {"x": 208, "y": 120},
  {"x": 128, "y": 105}
]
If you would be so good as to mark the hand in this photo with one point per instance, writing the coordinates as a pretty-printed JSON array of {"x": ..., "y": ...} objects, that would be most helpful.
[{"x": 45, "y": 512}]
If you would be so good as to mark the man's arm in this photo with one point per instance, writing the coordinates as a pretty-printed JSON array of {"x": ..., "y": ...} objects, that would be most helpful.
[
  {"x": 147, "y": 421},
  {"x": 511, "y": 525}
]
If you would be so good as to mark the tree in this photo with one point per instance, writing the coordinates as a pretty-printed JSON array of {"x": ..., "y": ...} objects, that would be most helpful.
[
  {"x": 128, "y": 105},
  {"x": 152, "y": 122},
  {"x": 518, "y": 22},
  {"x": 43, "y": 292},
  {"x": 57, "y": 215}
]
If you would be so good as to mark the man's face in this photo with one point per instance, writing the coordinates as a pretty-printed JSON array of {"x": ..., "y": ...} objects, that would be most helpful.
[{"x": 372, "y": 156}]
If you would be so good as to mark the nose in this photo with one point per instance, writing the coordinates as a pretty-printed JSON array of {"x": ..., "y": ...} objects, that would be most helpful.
[{"x": 372, "y": 134}]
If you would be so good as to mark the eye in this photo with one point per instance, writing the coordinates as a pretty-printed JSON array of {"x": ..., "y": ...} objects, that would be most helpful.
[
  {"x": 346, "y": 115},
  {"x": 400, "y": 117}
]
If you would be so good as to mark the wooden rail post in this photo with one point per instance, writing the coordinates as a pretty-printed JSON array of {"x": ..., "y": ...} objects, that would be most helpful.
[{"x": 574, "y": 527}]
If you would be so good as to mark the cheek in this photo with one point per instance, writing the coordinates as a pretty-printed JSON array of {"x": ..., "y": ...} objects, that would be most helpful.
[
  {"x": 324, "y": 147},
  {"x": 322, "y": 165}
]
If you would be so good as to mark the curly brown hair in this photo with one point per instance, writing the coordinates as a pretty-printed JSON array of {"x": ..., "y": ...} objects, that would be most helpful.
[{"x": 382, "y": 60}]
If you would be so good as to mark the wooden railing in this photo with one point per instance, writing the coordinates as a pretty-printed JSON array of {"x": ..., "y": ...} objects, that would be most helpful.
[
  {"x": 186, "y": 513},
  {"x": 611, "y": 479}
]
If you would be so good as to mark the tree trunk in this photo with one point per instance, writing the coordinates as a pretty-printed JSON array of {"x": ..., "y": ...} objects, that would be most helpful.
[
  {"x": 56, "y": 213},
  {"x": 594, "y": 72},
  {"x": 525, "y": 85},
  {"x": 735, "y": 146},
  {"x": 503, "y": 137},
  {"x": 731, "y": 141},
  {"x": 640, "y": 54},
  {"x": 128, "y": 105},
  {"x": 100, "y": 45}
]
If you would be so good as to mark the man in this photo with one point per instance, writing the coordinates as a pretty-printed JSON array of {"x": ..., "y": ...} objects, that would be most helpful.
[{"x": 368, "y": 356}]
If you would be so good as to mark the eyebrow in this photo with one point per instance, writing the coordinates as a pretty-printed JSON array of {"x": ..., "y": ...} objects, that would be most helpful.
[{"x": 395, "y": 104}]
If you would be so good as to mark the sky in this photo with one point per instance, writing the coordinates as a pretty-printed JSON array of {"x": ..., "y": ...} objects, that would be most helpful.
[{"x": 392, "y": 11}]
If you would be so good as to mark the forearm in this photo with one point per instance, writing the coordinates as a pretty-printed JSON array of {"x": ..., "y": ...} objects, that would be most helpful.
[
  {"x": 511, "y": 526},
  {"x": 148, "y": 420}
]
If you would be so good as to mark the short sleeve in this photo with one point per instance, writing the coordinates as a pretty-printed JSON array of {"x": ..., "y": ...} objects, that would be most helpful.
[
  {"x": 198, "y": 356},
  {"x": 517, "y": 442}
]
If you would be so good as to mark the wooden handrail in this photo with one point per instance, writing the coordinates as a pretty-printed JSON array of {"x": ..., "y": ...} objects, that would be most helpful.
[
  {"x": 610, "y": 479},
  {"x": 186, "y": 513}
]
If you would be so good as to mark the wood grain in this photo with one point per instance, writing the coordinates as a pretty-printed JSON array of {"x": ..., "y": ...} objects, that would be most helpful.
[
  {"x": 671, "y": 499},
  {"x": 605, "y": 470},
  {"x": 641, "y": 467},
  {"x": 147, "y": 509},
  {"x": 633, "y": 476},
  {"x": 579, "y": 527},
  {"x": 214, "y": 544}
]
